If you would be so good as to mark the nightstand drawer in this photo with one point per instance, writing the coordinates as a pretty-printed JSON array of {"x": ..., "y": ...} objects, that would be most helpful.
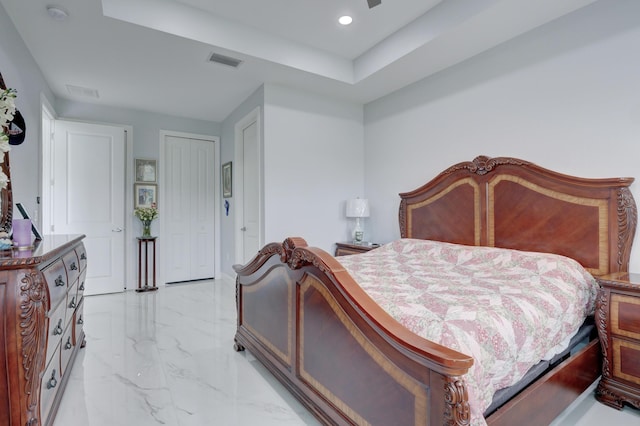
[
  {"x": 345, "y": 249},
  {"x": 625, "y": 316},
  {"x": 626, "y": 360}
]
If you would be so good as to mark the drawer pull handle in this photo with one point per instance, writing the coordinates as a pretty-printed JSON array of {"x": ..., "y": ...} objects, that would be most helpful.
[
  {"x": 68, "y": 344},
  {"x": 60, "y": 282},
  {"x": 73, "y": 266},
  {"x": 81, "y": 288},
  {"x": 58, "y": 329},
  {"x": 80, "y": 320},
  {"x": 72, "y": 305},
  {"x": 83, "y": 256},
  {"x": 52, "y": 381}
]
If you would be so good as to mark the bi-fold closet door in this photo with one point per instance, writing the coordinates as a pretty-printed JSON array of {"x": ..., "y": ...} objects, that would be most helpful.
[{"x": 188, "y": 211}]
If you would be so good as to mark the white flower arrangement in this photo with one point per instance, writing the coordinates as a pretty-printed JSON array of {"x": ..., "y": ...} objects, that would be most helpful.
[
  {"x": 7, "y": 111},
  {"x": 146, "y": 213}
]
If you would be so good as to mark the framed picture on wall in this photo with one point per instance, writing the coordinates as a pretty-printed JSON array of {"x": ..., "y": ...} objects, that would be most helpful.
[
  {"x": 146, "y": 170},
  {"x": 145, "y": 194},
  {"x": 226, "y": 180}
]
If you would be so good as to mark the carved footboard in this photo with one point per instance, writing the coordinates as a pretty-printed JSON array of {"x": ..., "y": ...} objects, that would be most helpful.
[{"x": 302, "y": 315}]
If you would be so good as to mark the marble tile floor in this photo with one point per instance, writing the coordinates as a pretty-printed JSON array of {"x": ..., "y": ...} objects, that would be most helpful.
[{"x": 167, "y": 358}]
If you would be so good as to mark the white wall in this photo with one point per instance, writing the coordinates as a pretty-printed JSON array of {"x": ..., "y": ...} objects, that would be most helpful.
[
  {"x": 565, "y": 96},
  {"x": 21, "y": 72},
  {"x": 256, "y": 99},
  {"x": 313, "y": 163},
  {"x": 146, "y": 125}
]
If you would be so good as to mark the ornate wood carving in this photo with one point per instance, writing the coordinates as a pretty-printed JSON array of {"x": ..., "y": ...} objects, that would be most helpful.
[
  {"x": 303, "y": 257},
  {"x": 34, "y": 301},
  {"x": 602, "y": 307},
  {"x": 605, "y": 396},
  {"x": 482, "y": 164},
  {"x": 627, "y": 221},
  {"x": 270, "y": 249},
  {"x": 457, "y": 411},
  {"x": 402, "y": 218},
  {"x": 293, "y": 251},
  {"x": 6, "y": 197}
]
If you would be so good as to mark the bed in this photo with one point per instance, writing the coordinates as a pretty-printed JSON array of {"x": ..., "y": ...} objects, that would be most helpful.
[{"x": 350, "y": 362}]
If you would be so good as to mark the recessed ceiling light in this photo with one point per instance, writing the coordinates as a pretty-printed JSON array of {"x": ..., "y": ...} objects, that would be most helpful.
[
  {"x": 57, "y": 13},
  {"x": 345, "y": 20}
]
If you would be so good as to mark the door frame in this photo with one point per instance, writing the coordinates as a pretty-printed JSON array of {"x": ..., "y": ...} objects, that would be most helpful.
[
  {"x": 238, "y": 182},
  {"x": 49, "y": 114},
  {"x": 216, "y": 200}
]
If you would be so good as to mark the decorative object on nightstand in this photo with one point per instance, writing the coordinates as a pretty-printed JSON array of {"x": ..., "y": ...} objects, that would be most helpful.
[
  {"x": 618, "y": 321},
  {"x": 343, "y": 249},
  {"x": 358, "y": 208}
]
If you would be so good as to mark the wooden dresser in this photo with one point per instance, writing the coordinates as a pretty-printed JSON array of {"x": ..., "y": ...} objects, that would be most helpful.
[
  {"x": 618, "y": 320},
  {"x": 41, "y": 301}
]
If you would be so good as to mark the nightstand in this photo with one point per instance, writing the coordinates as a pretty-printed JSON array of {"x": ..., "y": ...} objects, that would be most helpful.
[
  {"x": 343, "y": 249},
  {"x": 618, "y": 321}
]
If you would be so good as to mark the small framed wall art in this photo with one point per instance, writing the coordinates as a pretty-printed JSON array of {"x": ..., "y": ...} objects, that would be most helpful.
[
  {"x": 227, "y": 182},
  {"x": 146, "y": 194},
  {"x": 146, "y": 170}
]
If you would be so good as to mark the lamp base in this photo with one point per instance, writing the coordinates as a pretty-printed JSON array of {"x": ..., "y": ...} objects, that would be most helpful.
[{"x": 358, "y": 232}]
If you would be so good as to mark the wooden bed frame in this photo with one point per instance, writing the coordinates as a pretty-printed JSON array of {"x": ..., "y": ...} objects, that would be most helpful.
[{"x": 303, "y": 316}]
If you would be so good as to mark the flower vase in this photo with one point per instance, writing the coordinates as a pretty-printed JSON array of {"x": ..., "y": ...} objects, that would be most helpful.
[{"x": 146, "y": 228}]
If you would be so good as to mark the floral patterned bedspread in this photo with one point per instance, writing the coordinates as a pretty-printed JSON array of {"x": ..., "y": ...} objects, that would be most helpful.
[{"x": 507, "y": 309}]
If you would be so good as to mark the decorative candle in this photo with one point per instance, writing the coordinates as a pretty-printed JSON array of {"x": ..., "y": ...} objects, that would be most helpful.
[{"x": 22, "y": 232}]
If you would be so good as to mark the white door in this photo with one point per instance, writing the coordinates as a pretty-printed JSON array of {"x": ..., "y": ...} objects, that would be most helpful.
[
  {"x": 249, "y": 232},
  {"x": 87, "y": 197},
  {"x": 188, "y": 210}
]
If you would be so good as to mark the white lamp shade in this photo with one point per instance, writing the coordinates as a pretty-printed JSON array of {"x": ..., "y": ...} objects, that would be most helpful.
[{"x": 358, "y": 208}]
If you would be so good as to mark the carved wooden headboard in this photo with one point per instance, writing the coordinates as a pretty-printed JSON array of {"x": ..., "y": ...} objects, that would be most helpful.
[{"x": 511, "y": 203}]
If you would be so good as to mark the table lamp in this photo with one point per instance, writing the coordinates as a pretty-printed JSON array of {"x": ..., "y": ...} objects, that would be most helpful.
[{"x": 358, "y": 209}]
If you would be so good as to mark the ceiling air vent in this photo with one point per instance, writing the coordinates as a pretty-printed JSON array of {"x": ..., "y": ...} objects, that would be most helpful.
[
  {"x": 224, "y": 60},
  {"x": 82, "y": 91}
]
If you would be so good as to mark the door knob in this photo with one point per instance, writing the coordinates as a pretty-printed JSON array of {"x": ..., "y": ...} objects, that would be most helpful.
[
  {"x": 117, "y": 230},
  {"x": 243, "y": 229}
]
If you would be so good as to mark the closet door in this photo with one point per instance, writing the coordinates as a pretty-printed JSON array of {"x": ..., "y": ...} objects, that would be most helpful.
[{"x": 188, "y": 211}]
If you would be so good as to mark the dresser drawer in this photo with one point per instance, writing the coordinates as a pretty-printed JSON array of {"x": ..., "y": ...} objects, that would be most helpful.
[
  {"x": 72, "y": 301},
  {"x": 83, "y": 277},
  {"x": 66, "y": 349},
  {"x": 57, "y": 325},
  {"x": 78, "y": 324},
  {"x": 50, "y": 384},
  {"x": 56, "y": 277},
  {"x": 82, "y": 257},
  {"x": 72, "y": 266},
  {"x": 345, "y": 249}
]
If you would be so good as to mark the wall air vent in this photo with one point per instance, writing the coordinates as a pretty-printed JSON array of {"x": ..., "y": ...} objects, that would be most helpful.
[
  {"x": 224, "y": 60},
  {"x": 82, "y": 91}
]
